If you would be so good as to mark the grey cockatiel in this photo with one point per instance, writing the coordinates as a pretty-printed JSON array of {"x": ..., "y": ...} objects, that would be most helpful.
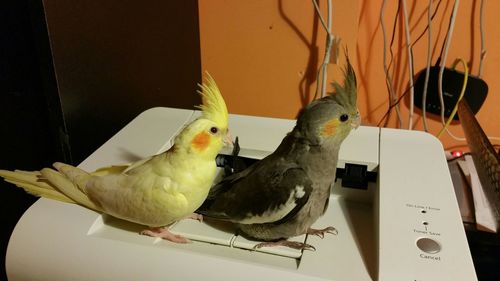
[{"x": 285, "y": 193}]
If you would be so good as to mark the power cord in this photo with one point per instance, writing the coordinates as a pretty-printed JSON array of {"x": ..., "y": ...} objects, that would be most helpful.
[
  {"x": 410, "y": 65},
  {"x": 388, "y": 78},
  {"x": 428, "y": 68},
  {"x": 330, "y": 41},
  {"x": 446, "y": 48}
]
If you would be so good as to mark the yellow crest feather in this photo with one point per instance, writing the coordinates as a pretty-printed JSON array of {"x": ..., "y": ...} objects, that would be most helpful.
[{"x": 213, "y": 107}]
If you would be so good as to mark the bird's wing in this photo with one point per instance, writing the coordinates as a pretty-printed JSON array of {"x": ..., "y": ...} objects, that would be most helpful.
[
  {"x": 69, "y": 180},
  {"x": 261, "y": 194},
  {"x": 111, "y": 188},
  {"x": 115, "y": 169},
  {"x": 119, "y": 169}
]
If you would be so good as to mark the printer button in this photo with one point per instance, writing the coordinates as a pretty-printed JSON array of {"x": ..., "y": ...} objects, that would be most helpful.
[{"x": 428, "y": 245}]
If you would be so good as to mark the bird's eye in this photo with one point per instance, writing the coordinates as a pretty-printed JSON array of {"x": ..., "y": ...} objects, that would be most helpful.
[
  {"x": 344, "y": 117},
  {"x": 214, "y": 130}
]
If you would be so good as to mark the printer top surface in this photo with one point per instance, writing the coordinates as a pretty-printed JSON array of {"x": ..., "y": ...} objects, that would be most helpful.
[{"x": 76, "y": 243}]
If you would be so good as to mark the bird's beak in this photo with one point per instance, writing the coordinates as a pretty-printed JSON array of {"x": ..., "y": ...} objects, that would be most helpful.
[
  {"x": 228, "y": 140},
  {"x": 357, "y": 121}
]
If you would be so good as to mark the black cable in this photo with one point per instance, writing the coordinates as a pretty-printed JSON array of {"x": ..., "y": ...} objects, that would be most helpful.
[
  {"x": 393, "y": 105},
  {"x": 427, "y": 27},
  {"x": 391, "y": 59},
  {"x": 393, "y": 35}
]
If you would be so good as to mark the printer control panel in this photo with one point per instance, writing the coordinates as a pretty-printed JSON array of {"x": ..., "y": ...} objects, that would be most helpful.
[
  {"x": 426, "y": 230},
  {"x": 420, "y": 227}
]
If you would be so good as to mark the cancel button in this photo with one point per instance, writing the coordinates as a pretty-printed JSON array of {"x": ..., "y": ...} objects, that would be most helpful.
[{"x": 428, "y": 245}]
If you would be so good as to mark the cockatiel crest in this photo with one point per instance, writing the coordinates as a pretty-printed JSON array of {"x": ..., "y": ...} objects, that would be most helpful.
[
  {"x": 213, "y": 105},
  {"x": 334, "y": 115},
  {"x": 207, "y": 134},
  {"x": 346, "y": 95}
]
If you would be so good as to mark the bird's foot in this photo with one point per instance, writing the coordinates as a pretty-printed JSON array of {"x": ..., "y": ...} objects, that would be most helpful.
[
  {"x": 194, "y": 216},
  {"x": 321, "y": 232},
  {"x": 286, "y": 243},
  {"x": 164, "y": 233}
]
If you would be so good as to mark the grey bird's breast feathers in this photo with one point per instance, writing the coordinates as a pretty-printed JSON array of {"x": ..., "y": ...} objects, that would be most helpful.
[{"x": 282, "y": 194}]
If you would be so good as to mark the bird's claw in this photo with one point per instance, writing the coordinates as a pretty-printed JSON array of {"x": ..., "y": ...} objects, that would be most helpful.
[
  {"x": 285, "y": 243},
  {"x": 321, "y": 232},
  {"x": 164, "y": 233},
  {"x": 195, "y": 216}
]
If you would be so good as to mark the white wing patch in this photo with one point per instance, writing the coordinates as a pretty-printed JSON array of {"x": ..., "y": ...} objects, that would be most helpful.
[
  {"x": 279, "y": 212},
  {"x": 299, "y": 191}
]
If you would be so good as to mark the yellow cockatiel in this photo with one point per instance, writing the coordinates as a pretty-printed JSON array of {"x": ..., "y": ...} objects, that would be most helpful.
[{"x": 154, "y": 192}]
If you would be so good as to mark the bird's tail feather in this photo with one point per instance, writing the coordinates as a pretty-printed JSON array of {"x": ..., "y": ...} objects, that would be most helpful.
[
  {"x": 69, "y": 180},
  {"x": 65, "y": 185},
  {"x": 75, "y": 175},
  {"x": 33, "y": 184}
]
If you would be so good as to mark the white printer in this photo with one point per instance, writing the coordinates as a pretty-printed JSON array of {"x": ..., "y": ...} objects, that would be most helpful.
[{"x": 404, "y": 226}]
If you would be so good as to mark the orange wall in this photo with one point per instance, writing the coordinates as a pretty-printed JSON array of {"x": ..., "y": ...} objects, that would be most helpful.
[{"x": 265, "y": 54}]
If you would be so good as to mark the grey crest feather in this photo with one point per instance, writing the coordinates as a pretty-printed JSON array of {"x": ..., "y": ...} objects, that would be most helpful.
[{"x": 346, "y": 95}]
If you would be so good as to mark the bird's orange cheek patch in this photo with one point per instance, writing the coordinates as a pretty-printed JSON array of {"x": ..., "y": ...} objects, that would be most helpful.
[
  {"x": 330, "y": 127},
  {"x": 200, "y": 141}
]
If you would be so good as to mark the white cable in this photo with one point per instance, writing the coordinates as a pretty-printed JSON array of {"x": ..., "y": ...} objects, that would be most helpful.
[
  {"x": 443, "y": 63},
  {"x": 388, "y": 79},
  {"x": 329, "y": 43},
  {"x": 447, "y": 43},
  {"x": 481, "y": 28},
  {"x": 448, "y": 38},
  {"x": 453, "y": 136},
  {"x": 318, "y": 11},
  {"x": 428, "y": 68},
  {"x": 464, "y": 139},
  {"x": 323, "y": 70},
  {"x": 410, "y": 64},
  {"x": 481, "y": 62}
]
